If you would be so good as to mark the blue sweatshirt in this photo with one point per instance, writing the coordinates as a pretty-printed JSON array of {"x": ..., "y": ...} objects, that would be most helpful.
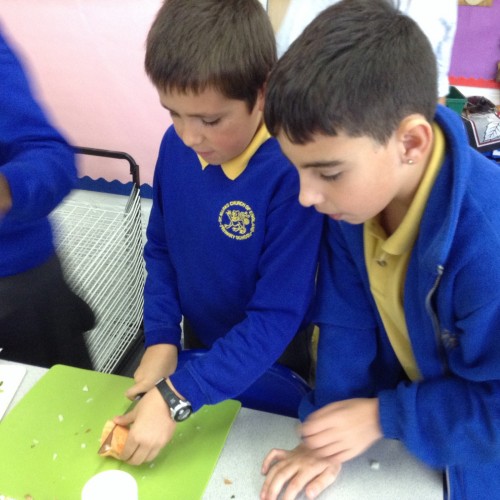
[
  {"x": 39, "y": 167},
  {"x": 451, "y": 418},
  {"x": 236, "y": 257}
]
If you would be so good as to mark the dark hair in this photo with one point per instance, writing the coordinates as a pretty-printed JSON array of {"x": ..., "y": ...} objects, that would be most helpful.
[
  {"x": 228, "y": 45},
  {"x": 360, "y": 67}
]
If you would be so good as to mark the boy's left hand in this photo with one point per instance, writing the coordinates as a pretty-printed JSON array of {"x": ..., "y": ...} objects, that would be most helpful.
[
  {"x": 290, "y": 472},
  {"x": 343, "y": 430}
]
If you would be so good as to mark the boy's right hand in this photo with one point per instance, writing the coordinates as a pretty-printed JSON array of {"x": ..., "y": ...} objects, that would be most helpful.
[
  {"x": 292, "y": 471},
  {"x": 159, "y": 361},
  {"x": 151, "y": 428}
]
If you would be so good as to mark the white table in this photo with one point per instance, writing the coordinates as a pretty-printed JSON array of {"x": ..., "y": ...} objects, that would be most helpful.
[{"x": 399, "y": 476}]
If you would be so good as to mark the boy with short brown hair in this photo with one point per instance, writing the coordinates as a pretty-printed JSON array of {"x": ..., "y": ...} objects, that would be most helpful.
[{"x": 229, "y": 247}]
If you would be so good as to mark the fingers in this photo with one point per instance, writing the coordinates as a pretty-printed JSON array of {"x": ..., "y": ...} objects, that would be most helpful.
[
  {"x": 125, "y": 419},
  {"x": 311, "y": 480},
  {"x": 138, "y": 389},
  {"x": 322, "y": 481},
  {"x": 139, "y": 455},
  {"x": 278, "y": 475},
  {"x": 297, "y": 471},
  {"x": 273, "y": 456},
  {"x": 140, "y": 449},
  {"x": 332, "y": 449}
]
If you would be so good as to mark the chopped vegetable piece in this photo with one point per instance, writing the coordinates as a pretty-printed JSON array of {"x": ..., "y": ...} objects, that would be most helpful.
[{"x": 113, "y": 439}]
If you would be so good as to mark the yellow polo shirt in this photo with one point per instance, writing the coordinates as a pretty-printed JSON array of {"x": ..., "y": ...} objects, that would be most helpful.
[
  {"x": 387, "y": 261},
  {"x": 235, "y": 167}
]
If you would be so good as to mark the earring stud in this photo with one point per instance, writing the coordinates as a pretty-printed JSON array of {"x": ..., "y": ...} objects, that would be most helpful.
[{"x": 410, "y": 162}]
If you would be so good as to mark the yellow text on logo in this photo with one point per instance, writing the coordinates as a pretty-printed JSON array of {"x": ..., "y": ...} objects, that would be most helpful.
[{"x": 237, "y": 220}]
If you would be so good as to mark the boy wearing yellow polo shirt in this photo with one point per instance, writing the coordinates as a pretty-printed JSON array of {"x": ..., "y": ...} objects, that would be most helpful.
[
  {"x": 409, "y": 280},
  {"x": 229, "y": 248}
]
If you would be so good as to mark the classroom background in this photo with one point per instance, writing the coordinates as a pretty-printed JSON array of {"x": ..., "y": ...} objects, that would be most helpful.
[{"x": 86, "y": 62}]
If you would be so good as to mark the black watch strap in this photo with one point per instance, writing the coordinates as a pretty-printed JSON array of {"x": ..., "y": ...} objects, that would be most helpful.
[{"x": 180, "y": 409}]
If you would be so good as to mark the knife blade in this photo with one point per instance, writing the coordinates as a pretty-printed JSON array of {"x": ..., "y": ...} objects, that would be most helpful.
[{"x": 106, "y": 445}]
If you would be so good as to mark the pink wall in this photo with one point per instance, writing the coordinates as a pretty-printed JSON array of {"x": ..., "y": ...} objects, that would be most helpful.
[{"x": 85, "y": 59}]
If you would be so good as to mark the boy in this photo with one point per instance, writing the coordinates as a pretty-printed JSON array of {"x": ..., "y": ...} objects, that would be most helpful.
[
  {"x": 228, "y": 245},
  {"x": 408, "y": 302},
  {"x": 42, "y": 321}
]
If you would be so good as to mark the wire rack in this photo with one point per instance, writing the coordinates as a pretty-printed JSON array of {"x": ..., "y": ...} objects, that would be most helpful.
[{"x": 101, "y": 250}]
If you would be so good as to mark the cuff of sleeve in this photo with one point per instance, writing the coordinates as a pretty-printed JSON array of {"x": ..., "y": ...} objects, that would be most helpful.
[
  {"x": 186, "y": 385},
  {"x": 388, "y": 414},
  {"x": 307, "y": 406},
  {"x": 17, "y": 187},
  {"x": 170, "y": 336}
]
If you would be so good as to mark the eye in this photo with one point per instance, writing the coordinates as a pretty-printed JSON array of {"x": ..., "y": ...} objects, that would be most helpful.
[
  {"x": 211, "y": 123},
  {"x": 332, "y": 177}
]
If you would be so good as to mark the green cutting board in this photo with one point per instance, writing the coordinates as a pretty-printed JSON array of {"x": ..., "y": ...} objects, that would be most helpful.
[{"x": 49, "y": 441}]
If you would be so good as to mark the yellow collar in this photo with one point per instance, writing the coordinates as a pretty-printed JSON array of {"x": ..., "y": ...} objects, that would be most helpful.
[
  {"x": 405, "y": 235},
  {"x": 235, "y": 167}
]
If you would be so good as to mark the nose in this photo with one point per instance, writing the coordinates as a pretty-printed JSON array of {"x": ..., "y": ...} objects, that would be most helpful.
[
  {"x": 190, "y": 134},
  {"x": 309, "y": 196}
]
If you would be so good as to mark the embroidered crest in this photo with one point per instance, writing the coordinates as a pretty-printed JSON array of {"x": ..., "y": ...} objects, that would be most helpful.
[{"x": 237, "y": 220}]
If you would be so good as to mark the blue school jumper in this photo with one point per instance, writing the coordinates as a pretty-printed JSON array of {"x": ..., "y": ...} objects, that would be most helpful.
[
  {"x": 38, "y": 165},
  {"x": 42, "y": 321},
  {"x": 236, "y": 257},
  {"x": 451, "y": 418}
]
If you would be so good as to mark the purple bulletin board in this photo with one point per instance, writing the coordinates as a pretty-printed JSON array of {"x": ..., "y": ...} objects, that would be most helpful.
[{"x": 476, "y": 50}]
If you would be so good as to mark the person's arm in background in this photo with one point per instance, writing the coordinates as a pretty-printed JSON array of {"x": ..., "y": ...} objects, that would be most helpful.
[
  {"x": 297, "y": 16},
  {"x": 5, "y": 196},
  {"x": 438, "y": 20},
  {"x": 37, "y": 166},
  {"x": 445, "y": 47}
]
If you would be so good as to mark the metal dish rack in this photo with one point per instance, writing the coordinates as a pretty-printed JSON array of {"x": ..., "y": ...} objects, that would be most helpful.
[{"x": 101, "y": 250}]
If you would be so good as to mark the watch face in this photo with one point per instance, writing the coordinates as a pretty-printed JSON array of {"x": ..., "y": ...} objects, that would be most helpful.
[
  {"x": 179, "y": 409},
  {"x": 182, "y": 413}
]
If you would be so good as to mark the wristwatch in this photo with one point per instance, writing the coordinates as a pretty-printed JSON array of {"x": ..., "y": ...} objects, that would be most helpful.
[{"x": 180, "y": 409}]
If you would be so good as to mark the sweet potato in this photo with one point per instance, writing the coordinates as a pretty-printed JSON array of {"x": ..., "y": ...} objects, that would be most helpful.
[{"x": 113, "y": 439}]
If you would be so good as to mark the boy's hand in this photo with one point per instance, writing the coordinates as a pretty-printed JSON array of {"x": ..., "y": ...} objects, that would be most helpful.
[
  {"x": 5, "y": 196},
  {"x": 343, "y": 430},
  {"x": 159, "y": 361},
  {"x": 301, "y": 468},
  {"x": 151, "y": 428}
]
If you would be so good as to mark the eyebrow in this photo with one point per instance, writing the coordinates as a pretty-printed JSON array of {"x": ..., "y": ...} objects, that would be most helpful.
[
  {"x": 194, "y": 115},
  {"x": 323, "y": 164}
]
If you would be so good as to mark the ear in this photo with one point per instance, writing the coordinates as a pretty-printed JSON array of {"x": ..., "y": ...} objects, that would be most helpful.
[
  {"x": 260, "y": 98},
  {"x": 415, "y": 137}
]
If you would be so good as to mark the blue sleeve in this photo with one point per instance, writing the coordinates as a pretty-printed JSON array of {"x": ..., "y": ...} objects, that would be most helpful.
[
  {"x": 453, "y": 418},
  {"x": 348, "y": 346},
  {"x": 162, "y": 313},
  {"x": 277, "y": 310},
  {"x": 35, "y": 159}
]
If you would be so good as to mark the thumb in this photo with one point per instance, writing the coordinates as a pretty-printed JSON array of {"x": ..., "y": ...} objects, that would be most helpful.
[
  {"x": 136, "y": 390},
  {"x": 126, "y": 419}
]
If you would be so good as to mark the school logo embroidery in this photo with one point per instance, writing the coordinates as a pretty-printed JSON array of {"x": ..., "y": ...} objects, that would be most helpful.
[{"x": 237, "y": 220}]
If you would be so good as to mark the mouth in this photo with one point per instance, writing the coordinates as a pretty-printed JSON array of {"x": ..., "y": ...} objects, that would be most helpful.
[
  {"x": 204, "y": 154},
  {"x": 335, "y": 216}
]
